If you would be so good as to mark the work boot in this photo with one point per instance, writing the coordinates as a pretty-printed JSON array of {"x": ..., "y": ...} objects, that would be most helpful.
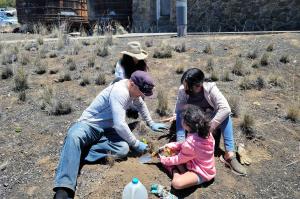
[
  {"x": 234, "y": 165},
  {"x": 63, "y": 193}
]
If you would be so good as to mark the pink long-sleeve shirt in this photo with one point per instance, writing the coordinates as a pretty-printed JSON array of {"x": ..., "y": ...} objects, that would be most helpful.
[{"x": 196, "y": 152}]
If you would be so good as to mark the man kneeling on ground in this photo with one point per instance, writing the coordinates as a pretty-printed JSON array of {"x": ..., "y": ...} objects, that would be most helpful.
[{"x": 102, "y": 131}]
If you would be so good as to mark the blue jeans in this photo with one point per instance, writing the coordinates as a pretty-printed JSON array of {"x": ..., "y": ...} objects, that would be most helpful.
[
  {"x": 225, "y": 127},
  {"x": 84, "y": 139}
]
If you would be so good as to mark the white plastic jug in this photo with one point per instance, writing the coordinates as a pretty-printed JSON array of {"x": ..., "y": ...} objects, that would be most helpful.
[{"x": 135, "y": 190}]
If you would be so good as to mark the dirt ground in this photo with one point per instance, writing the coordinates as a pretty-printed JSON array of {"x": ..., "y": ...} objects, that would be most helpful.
[{"x": 31, "y": 139}]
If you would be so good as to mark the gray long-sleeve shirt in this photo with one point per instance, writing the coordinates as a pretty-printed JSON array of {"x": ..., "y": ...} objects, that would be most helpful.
[{"x": 108, "y": 110}]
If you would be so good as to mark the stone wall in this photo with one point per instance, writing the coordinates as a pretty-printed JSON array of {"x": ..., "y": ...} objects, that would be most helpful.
[{"x": 243, "y": 15}]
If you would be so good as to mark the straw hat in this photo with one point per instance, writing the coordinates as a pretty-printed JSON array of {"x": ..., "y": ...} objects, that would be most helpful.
[{"x": 134, "y": 50}]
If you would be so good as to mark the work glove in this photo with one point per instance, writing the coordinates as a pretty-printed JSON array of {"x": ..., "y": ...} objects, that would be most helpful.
[
  {"x": 140, "y": 147},
  {"x": 244, "y": 159},
  {"x": 158, "y": 127},
  {"x": 180, "y": 136}
]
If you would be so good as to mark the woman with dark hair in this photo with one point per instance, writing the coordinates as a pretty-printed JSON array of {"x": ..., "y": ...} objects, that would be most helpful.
[
  {"x": 133, "y": 59},
  {"x": 208, "y": 97}
]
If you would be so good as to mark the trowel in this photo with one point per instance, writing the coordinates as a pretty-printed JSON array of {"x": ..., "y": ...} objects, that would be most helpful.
[{"x": 148, "y": 157}]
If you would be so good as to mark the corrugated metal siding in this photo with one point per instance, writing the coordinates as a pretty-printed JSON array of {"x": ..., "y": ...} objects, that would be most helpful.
[{"x": 45, "y": 11}]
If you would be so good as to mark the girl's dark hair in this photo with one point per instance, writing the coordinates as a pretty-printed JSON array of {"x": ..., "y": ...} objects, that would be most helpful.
[
  {"x": 192, "y": 76},
  {"x": 194, "y": 117},
  {"x": 129, "y": 66}
]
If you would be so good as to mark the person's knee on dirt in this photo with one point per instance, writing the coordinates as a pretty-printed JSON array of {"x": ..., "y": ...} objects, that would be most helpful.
[
  {"x": 196, "y": 152},
  {"x": 108, "y": 110},
  {"x": 208, "y": 97}
]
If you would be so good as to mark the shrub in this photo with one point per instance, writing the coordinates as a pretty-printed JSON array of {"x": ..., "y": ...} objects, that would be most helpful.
[
  {"x": 180, "y": 69},
  {"x": 239, "y": 69},
  {"x": 42, "y": 52},
  {"x": 252, "y": 55},
  {"x": 276, "y": 80},
  {"x": 284, "y": 59},
  {"x": 164, "y": 51},
  {"x": 40, "y": 67},
  {"x": 247, "y": 126},
  {"x": 149, "y": 43},
  {"x": 20, "y": 80},
  {"x": 28, "y": 46},
  {"x": 91, "y": 61},
  {"x": 102, "y": 50},
  {"x": 62, "y": 41},
  {"x": 163, "y": 103},
  {"x": 210, "y": 64},
  {"x": 100, "y": 79},
  {"x": 180, "y": 48},
  {"x": 270, "y": 47},
  {"x": 234, "y": 103},
  {"x": 208, "y": 49},
  {"x": 85, "y": 81},
  {"x": 293, "y": 113},
  {"x": 6, "y": 72},
  {"x": 264, "y": 61}
]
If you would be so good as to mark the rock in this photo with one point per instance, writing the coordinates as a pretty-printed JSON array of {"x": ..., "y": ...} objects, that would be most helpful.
[
  {"x": 5, "y": 184},
  {"x": 3, "y": 165}
]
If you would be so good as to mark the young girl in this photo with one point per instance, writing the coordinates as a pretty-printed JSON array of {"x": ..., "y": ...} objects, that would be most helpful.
[{"x": 196, "y": 153}]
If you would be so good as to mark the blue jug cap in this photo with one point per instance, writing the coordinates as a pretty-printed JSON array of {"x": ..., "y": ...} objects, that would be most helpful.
[{"x": 135, "y": 180}]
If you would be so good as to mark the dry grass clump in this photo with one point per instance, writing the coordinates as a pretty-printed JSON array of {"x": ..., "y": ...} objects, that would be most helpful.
[
  {"x": 252, "y": 54},
  {"x": 210, "y": 64},
  {"x": 270, "y": 47},
  {"x": 53, "y": 71},
  {"x": 52, "y": 104},
  {"x": 255, "y": 65},
  {"x": 276, "y": 80},
  {"x": 180, "y": 69},
  {"x": 65, "y": 76},
  {"x": 62, "y": 41},
  {"x": 246, "y": 84},
  {"x": 142, "y": 129},
  {"x": 6, "y": 72},
  {"x": 53, "y": 54},
  {"x": 24, "y": 58},
  {"x": 29, "y": 46},
  {"x": 76, "y": 48},
  {"x": 149, "y": 43},
  {"x": 40, "y": 67},
  {"x": 84, "y": 81},
  {"x": 22, "y": 96},
  {"x": 293, "y": 113},
  {"x": 71, "y": 64},
  {"x": 40, "y": 40},
  {"x": 252, "y": 83},
  {"x": 226, "y": 76},
  {"x": 208, "y": 49},
  {"x": 9, "y": 55},
  {"x": 234, "y": 103},
  {"x": 102, "y": 49},
  {"x": 260, "y": 83},
  {"x": 108, "y": 40},
  {"x": 163, "y": 51},
  {"x": 264, "y": 61},
  {"x": 20, "y": 80},
  {"x": 180, "y": 48},
  {"x": 214, "y": 76},
  {"x": 43, "y": 52},
  {"x": 247, "y": 126},
  {"x": 91, "y": 61},
  {"x": 110, "y": 159},
  {"x": 284, "y": 59},
  {"x": 100, "y": 79},
  {"x": 239, "y": 69},
  {"x": 163, "y": 104},
  {"x": 40, "y": 29},
  {"x": 85, "y": 43},
  {"x": 1, "y": 47}
]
